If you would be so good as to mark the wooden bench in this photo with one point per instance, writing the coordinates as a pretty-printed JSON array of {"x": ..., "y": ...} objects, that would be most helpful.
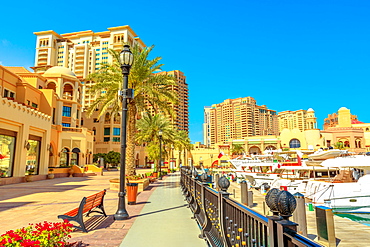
[{"x": 88, "y": 205}]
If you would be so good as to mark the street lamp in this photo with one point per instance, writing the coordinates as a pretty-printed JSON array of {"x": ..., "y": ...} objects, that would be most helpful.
[
  {"x": 126, "y": 59},
  {"x": 160, "y": 133}
]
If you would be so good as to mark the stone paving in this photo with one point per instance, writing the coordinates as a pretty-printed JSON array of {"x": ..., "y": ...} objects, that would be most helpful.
[{"x": 34, "y": 202}]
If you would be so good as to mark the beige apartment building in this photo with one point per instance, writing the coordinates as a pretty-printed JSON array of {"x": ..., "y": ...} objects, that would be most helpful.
[
  {"x": 300, "y": 119},
  {"x": 40, "y": 123},
  {"x": 82, "y": 52},
  {"x": 240, "y": 118}
]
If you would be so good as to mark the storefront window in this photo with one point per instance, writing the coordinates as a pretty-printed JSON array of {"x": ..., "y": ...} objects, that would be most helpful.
[
  {"x": 7, "y": 145},
  {"x": 33, "y": 157},
  {"x": 64, "y": 157}
]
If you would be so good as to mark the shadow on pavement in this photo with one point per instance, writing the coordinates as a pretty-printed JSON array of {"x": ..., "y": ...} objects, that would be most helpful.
[{"x": 158, "y": 211}]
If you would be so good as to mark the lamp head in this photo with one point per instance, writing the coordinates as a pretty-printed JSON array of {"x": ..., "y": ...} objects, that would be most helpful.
[{"x": 126, "y": 56}]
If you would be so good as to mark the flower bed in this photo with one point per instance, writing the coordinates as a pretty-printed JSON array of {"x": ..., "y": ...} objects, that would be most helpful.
[{"x": 38, "y": 235}]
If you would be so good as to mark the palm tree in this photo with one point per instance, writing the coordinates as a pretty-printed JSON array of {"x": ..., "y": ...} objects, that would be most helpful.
[
  {"x": 182, "y": 143},
  {"x": 151, "y": 91},
  {"x": 237, "y": 149},
  {"x": 148, "y": 128}
]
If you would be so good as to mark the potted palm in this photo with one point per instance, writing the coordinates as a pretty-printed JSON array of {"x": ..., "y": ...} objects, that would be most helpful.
[
  {"x": 51, "y": 174},
  {"x": 29, "y": 176}
]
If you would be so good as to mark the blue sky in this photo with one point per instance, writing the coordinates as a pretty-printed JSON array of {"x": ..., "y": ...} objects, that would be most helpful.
[{"x": 287, "y": 54}]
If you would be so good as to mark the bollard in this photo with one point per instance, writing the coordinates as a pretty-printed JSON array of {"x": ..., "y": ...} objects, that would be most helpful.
[
  {"x": 250, "y": 199},
  {"x": 299, "y": 215},
  {"x": 325, "y": 225},
  {"x": 217, "y": 177},
  {"x": 244, "y": 192}
]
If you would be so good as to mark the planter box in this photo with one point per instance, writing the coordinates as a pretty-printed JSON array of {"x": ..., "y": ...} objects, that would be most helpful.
[{"x": 143, "y": 184}]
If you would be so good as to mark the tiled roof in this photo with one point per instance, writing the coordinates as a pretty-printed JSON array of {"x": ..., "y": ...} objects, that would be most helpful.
[{"x": 17, "y": 69}]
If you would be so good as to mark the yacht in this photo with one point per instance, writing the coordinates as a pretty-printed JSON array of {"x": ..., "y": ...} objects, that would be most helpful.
[{"x": 348, "y": 191}]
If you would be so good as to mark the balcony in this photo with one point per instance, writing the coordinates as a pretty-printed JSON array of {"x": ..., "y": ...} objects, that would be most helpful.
[{"x": 71, "y": 129}]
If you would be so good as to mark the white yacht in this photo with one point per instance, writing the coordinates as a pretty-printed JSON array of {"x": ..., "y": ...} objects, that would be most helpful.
[{"x": 349, "y": 190}]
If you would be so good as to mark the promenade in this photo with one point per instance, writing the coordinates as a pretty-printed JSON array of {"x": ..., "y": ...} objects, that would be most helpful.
[{"x": 160, "y": 217}]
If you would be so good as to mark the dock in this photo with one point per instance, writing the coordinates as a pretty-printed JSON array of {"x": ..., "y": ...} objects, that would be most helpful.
[{"x": 347, "y": 232}]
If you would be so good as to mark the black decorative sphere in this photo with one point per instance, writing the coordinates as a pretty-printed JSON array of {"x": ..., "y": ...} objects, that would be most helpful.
[
  {"x": 271, "y": 199},
  {"x": 195, "y": 173},
  {"x": 204, "y": 177},
  {"x": 286, "y": 203},
  {"x": 223, "y": 183}
]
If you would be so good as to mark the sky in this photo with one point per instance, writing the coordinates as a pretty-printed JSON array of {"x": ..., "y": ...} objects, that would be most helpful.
[{"x": 287, "y": 54}]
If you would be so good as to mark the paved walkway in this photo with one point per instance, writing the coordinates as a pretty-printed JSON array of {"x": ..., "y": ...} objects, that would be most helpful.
[
  {"x": 159, "y": 217},
  {"x": 165, "y": 220}
]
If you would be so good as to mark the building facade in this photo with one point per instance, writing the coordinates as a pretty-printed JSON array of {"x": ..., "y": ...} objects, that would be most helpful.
[
  {"x": 300, "y": 119},
  {"x": 332, "y": 120},
  {"x": 241, "y": 118},
  {"x": 40, "y": 123},
  {"x": 82, "y": 52}
]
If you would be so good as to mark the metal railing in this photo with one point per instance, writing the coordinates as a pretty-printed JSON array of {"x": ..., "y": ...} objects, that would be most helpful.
[{"x": 225, "y": 222}]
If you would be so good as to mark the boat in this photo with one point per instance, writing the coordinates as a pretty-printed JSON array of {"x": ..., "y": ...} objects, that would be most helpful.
[
  {"x": 322, "y": 154},
  {"x": 348, "y": 191}
]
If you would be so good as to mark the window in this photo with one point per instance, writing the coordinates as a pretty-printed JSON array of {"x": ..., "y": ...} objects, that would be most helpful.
[
  {"x": 106, "y": 139},
  {"x": 34, "y": 105},
  {"x": 116, "y": 139},
  {"x": 6, "y": 93},
  {"x": 66, "y": 111},
  {"x": 33, "y": 155},
  {"x": 294, "y": 143},
  {"x": 106, "y": 131},
  {"x": 116, "y": 131},
  {"x": 7, "y": 144},
  {"x": 11, "y": 95},
  {"x": 66, "y": 124}
]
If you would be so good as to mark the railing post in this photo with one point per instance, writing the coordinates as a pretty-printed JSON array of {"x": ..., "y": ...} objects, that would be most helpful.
[
  {"x": 244, "y": 192},
  {"x": 223, "y": 184},
  {"x": 217, "y": 177},
  {"x": 299, "y": 215}
]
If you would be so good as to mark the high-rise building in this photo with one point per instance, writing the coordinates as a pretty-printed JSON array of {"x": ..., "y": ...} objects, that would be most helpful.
[
  {"x": 181, "y": 122},
  {"x": 207, "y": 126},
  {"x": 240, "y": 118},
  {"x": 300, "y": 119},
  {"x": 82, "y": 52}
]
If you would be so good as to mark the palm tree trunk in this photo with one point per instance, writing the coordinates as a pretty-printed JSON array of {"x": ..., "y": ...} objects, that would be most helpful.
[{"x": 130, "y": 151}]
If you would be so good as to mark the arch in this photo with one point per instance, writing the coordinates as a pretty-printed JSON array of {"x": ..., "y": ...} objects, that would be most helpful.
[
  {"x": 117, "y": 118},
  {"x": 294, "y": 143},
  {"x": 64, "y": 157},
  {"x": 52, "y": 85},
  {"x": 94, "y": 130},
  {"x": 107, "y": 117},
  {"x": 270, "y": 147},
  {"x": 254, "y": 150},
  {"x": 367, "y": 129},
  {"x": 68, "y": 91},
  {"x": 346, "y": 144},
  {"x": 75, "y": 156}
]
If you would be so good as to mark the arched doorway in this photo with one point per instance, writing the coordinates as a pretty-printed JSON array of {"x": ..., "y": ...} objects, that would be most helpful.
[
  {"x": 64, "y": 157},
  {"x": 75, "y": 156},
  {"x": 254, "y": 150}
]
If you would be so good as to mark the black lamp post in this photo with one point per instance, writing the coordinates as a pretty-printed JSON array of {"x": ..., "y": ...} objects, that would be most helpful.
[
  {"x": 127, "y": 59},
  {"x": 160, "y": 133}
]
